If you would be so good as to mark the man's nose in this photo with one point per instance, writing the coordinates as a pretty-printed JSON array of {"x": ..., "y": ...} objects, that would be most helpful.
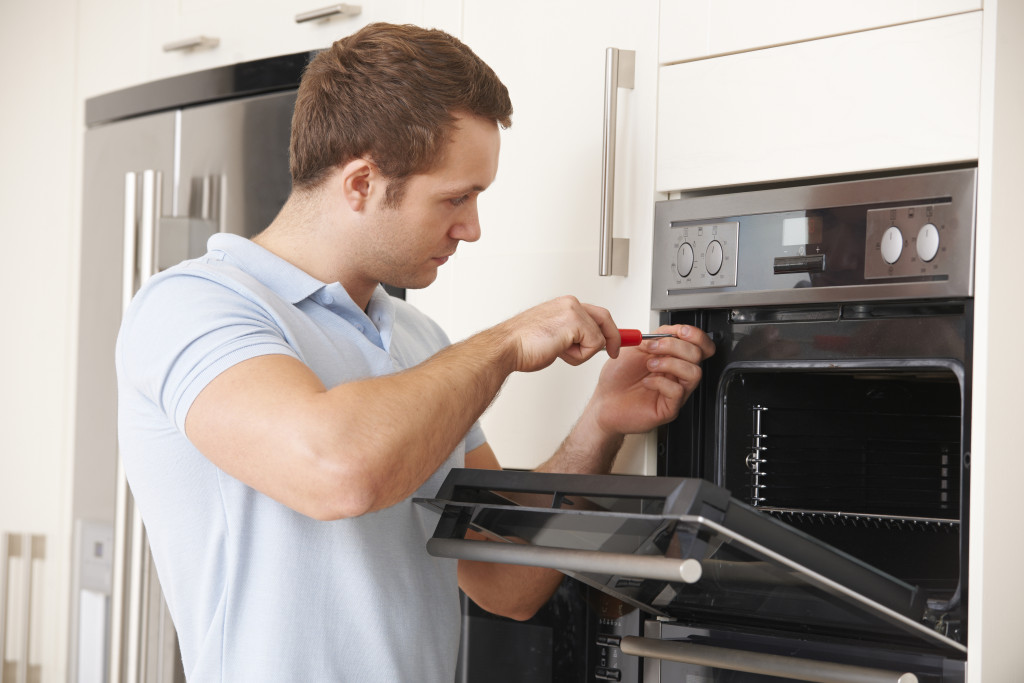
[{"x": 468, "y": 228}]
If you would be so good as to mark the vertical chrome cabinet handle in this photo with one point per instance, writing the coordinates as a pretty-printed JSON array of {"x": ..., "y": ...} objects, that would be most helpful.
[
  {"x": 330, "y": 11},
  {"x": 619, "y": 68},
  {"x": 5, "y": 563},
  {"x": 193, "y": 43},
  {"x": 25, "y": 547},
  {"x": 25, "y": 618}
]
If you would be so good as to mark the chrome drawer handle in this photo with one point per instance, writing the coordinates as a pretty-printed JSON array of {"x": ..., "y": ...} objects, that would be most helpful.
[
  {"x": 193, "y": 43},
  {"x": 330, "y": 11}
]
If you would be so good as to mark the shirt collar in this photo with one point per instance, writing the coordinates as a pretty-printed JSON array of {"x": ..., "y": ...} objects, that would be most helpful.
[
  {"x": 288, "y": 281},
  {"x": 293, "y": 284}
]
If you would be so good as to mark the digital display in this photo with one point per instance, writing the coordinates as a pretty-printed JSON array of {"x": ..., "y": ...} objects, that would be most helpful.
[{"x": 801, "y": 230}]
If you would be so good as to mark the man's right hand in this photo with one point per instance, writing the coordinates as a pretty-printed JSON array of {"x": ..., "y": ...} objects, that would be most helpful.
[{"x": 562, "y": 328}]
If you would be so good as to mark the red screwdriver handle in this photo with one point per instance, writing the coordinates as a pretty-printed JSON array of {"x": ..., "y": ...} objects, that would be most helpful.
[{"x": 631, "y": 337}]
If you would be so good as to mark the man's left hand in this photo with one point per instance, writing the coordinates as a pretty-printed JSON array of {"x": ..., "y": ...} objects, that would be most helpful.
[{"x": 646, "y": 386}]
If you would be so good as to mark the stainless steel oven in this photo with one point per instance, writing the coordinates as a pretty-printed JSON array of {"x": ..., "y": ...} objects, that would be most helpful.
[{"x": 810, "y": 520}]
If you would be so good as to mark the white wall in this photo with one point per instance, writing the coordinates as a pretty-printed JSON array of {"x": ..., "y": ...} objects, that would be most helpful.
[{"x": 40, "y": 142}]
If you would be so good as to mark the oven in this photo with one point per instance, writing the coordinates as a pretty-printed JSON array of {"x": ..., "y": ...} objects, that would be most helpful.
[{"x": 811, "y": 514}]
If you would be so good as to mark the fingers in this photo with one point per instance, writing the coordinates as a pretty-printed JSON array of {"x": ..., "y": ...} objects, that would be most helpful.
[
  {"x": 562, "y": 328},
  {"x": 612, "y": 339},
  {"x": 693, "y": 345},
  {"x": 593, "y": 328},
  {"x": 679, "y": 358}
]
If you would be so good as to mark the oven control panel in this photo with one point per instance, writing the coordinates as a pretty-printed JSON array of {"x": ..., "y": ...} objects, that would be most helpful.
[
  {"x": 908, "y": 241},
  {"x": 897, "y": 237}
]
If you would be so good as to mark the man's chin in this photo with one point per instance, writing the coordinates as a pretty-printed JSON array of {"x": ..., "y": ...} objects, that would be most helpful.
[{"x": 419, "y": 282}]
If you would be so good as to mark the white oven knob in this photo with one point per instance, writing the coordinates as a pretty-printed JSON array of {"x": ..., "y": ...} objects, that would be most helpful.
[
  {"x": 928, "y": 242},
  {"x": 684, "y": 259},
  {"x": 892, "y": 244},
  {"x": 713, "y": 257}
]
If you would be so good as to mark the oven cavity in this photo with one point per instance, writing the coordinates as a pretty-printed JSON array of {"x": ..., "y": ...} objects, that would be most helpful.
[{"x": 866, "y": 459}]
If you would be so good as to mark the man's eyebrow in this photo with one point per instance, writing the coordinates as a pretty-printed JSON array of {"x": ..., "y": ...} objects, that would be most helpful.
[{"x": 461, "y": 189}]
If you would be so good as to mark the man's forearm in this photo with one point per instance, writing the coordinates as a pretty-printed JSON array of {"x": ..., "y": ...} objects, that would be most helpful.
[
  {"x": 587, "y": 449},
  {"x": 405, "y": 425}
]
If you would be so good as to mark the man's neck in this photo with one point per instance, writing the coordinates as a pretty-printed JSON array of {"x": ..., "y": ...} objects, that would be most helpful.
[{"x": 303, "y": 235}]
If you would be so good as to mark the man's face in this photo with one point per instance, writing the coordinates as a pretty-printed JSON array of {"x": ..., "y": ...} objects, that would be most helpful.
[{"x": 409, "y": 242}]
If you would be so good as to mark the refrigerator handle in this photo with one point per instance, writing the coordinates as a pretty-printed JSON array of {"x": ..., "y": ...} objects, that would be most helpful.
[
  {"x": 128, "y": 606},
  {"x": 619, "y": 68}
]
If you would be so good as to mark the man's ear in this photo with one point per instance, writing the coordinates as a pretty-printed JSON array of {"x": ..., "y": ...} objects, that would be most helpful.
[{"x": 359, "y": 179}]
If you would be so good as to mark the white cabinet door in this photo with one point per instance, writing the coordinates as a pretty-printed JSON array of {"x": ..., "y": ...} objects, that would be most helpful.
[
  {"x": 113, "y": 45},
  {"x": 540, "y": 218},
  {"x": 896, "y": 97},
  {"x": 693, "y": 29},
  {"x": 252, "y": 29}
]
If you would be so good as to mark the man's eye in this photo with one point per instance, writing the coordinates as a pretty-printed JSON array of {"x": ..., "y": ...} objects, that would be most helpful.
[{"x": 459, "y": 201}]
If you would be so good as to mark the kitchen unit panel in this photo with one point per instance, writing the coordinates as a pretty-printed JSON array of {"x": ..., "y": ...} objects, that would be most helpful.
[
  {"x": 694, "y": 29},
  {"x": 540, "y": 218},
  {"x": 108, "y": 57},
  {"x": 897, "y": 97}
]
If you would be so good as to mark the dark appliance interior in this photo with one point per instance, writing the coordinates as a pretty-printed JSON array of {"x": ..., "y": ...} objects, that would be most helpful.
[{"x": 837, "y": 407}]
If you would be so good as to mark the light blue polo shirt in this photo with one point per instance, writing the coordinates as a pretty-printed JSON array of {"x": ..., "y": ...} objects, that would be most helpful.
[{"x": 257, "y": 591}]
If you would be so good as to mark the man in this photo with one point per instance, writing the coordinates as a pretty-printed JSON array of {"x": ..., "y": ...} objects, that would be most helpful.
[{"x": 278, "y": 410}]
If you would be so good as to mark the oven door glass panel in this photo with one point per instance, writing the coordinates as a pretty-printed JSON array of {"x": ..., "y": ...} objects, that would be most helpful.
[{"x": 751, "y": 567}]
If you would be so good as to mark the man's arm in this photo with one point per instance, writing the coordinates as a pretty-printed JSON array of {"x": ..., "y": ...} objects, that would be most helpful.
[
  {"x": 643, "y": 388},
  {"x": 366, "y": 445}
]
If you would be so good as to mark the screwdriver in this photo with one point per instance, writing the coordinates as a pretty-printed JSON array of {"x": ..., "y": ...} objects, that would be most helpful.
[{"x": 634, "y": 337}]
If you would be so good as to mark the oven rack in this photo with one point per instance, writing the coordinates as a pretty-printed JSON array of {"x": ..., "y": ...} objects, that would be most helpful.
[{"x": 865, "y": 520}]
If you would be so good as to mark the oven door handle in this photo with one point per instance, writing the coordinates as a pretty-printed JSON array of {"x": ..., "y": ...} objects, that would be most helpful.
[
  {"x": 759, "y": 663},
  {"x": 569, "y": 559}
]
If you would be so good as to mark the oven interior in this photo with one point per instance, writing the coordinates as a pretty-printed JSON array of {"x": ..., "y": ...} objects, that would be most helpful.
[{"x": 867, "y": 460}]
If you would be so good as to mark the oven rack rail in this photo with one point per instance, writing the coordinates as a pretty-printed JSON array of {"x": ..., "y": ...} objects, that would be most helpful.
[{"x": 866, "y": 520}]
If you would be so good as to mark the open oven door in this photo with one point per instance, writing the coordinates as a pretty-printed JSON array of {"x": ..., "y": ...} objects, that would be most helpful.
[{"x": 685, "y": 550}]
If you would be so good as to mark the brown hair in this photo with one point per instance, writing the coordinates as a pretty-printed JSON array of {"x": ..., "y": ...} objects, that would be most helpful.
[{"x": 389, "y": 93}]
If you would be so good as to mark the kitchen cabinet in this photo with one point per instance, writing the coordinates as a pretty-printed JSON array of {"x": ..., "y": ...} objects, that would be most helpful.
[
  {"x": 894, "y": 97},
  {"x": 234, "y": 31},
  {"x": 540, "y": 217},
  {"x": 695, "y": 29}
]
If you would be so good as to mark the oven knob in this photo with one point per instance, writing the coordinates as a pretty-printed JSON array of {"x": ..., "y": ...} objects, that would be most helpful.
[
  {"x": 713, "y": 257},
  {"x": 928, "y": 242},
  {"x": 684, "y": 259},
  {"x": 892, "y": 244}
]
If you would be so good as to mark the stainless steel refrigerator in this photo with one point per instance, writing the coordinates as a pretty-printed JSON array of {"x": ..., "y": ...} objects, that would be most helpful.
[{"x": 167, "y": 164}]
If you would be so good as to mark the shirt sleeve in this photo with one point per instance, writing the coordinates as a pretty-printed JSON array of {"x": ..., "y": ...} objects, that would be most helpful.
[{"x": 183, "y": 330}]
